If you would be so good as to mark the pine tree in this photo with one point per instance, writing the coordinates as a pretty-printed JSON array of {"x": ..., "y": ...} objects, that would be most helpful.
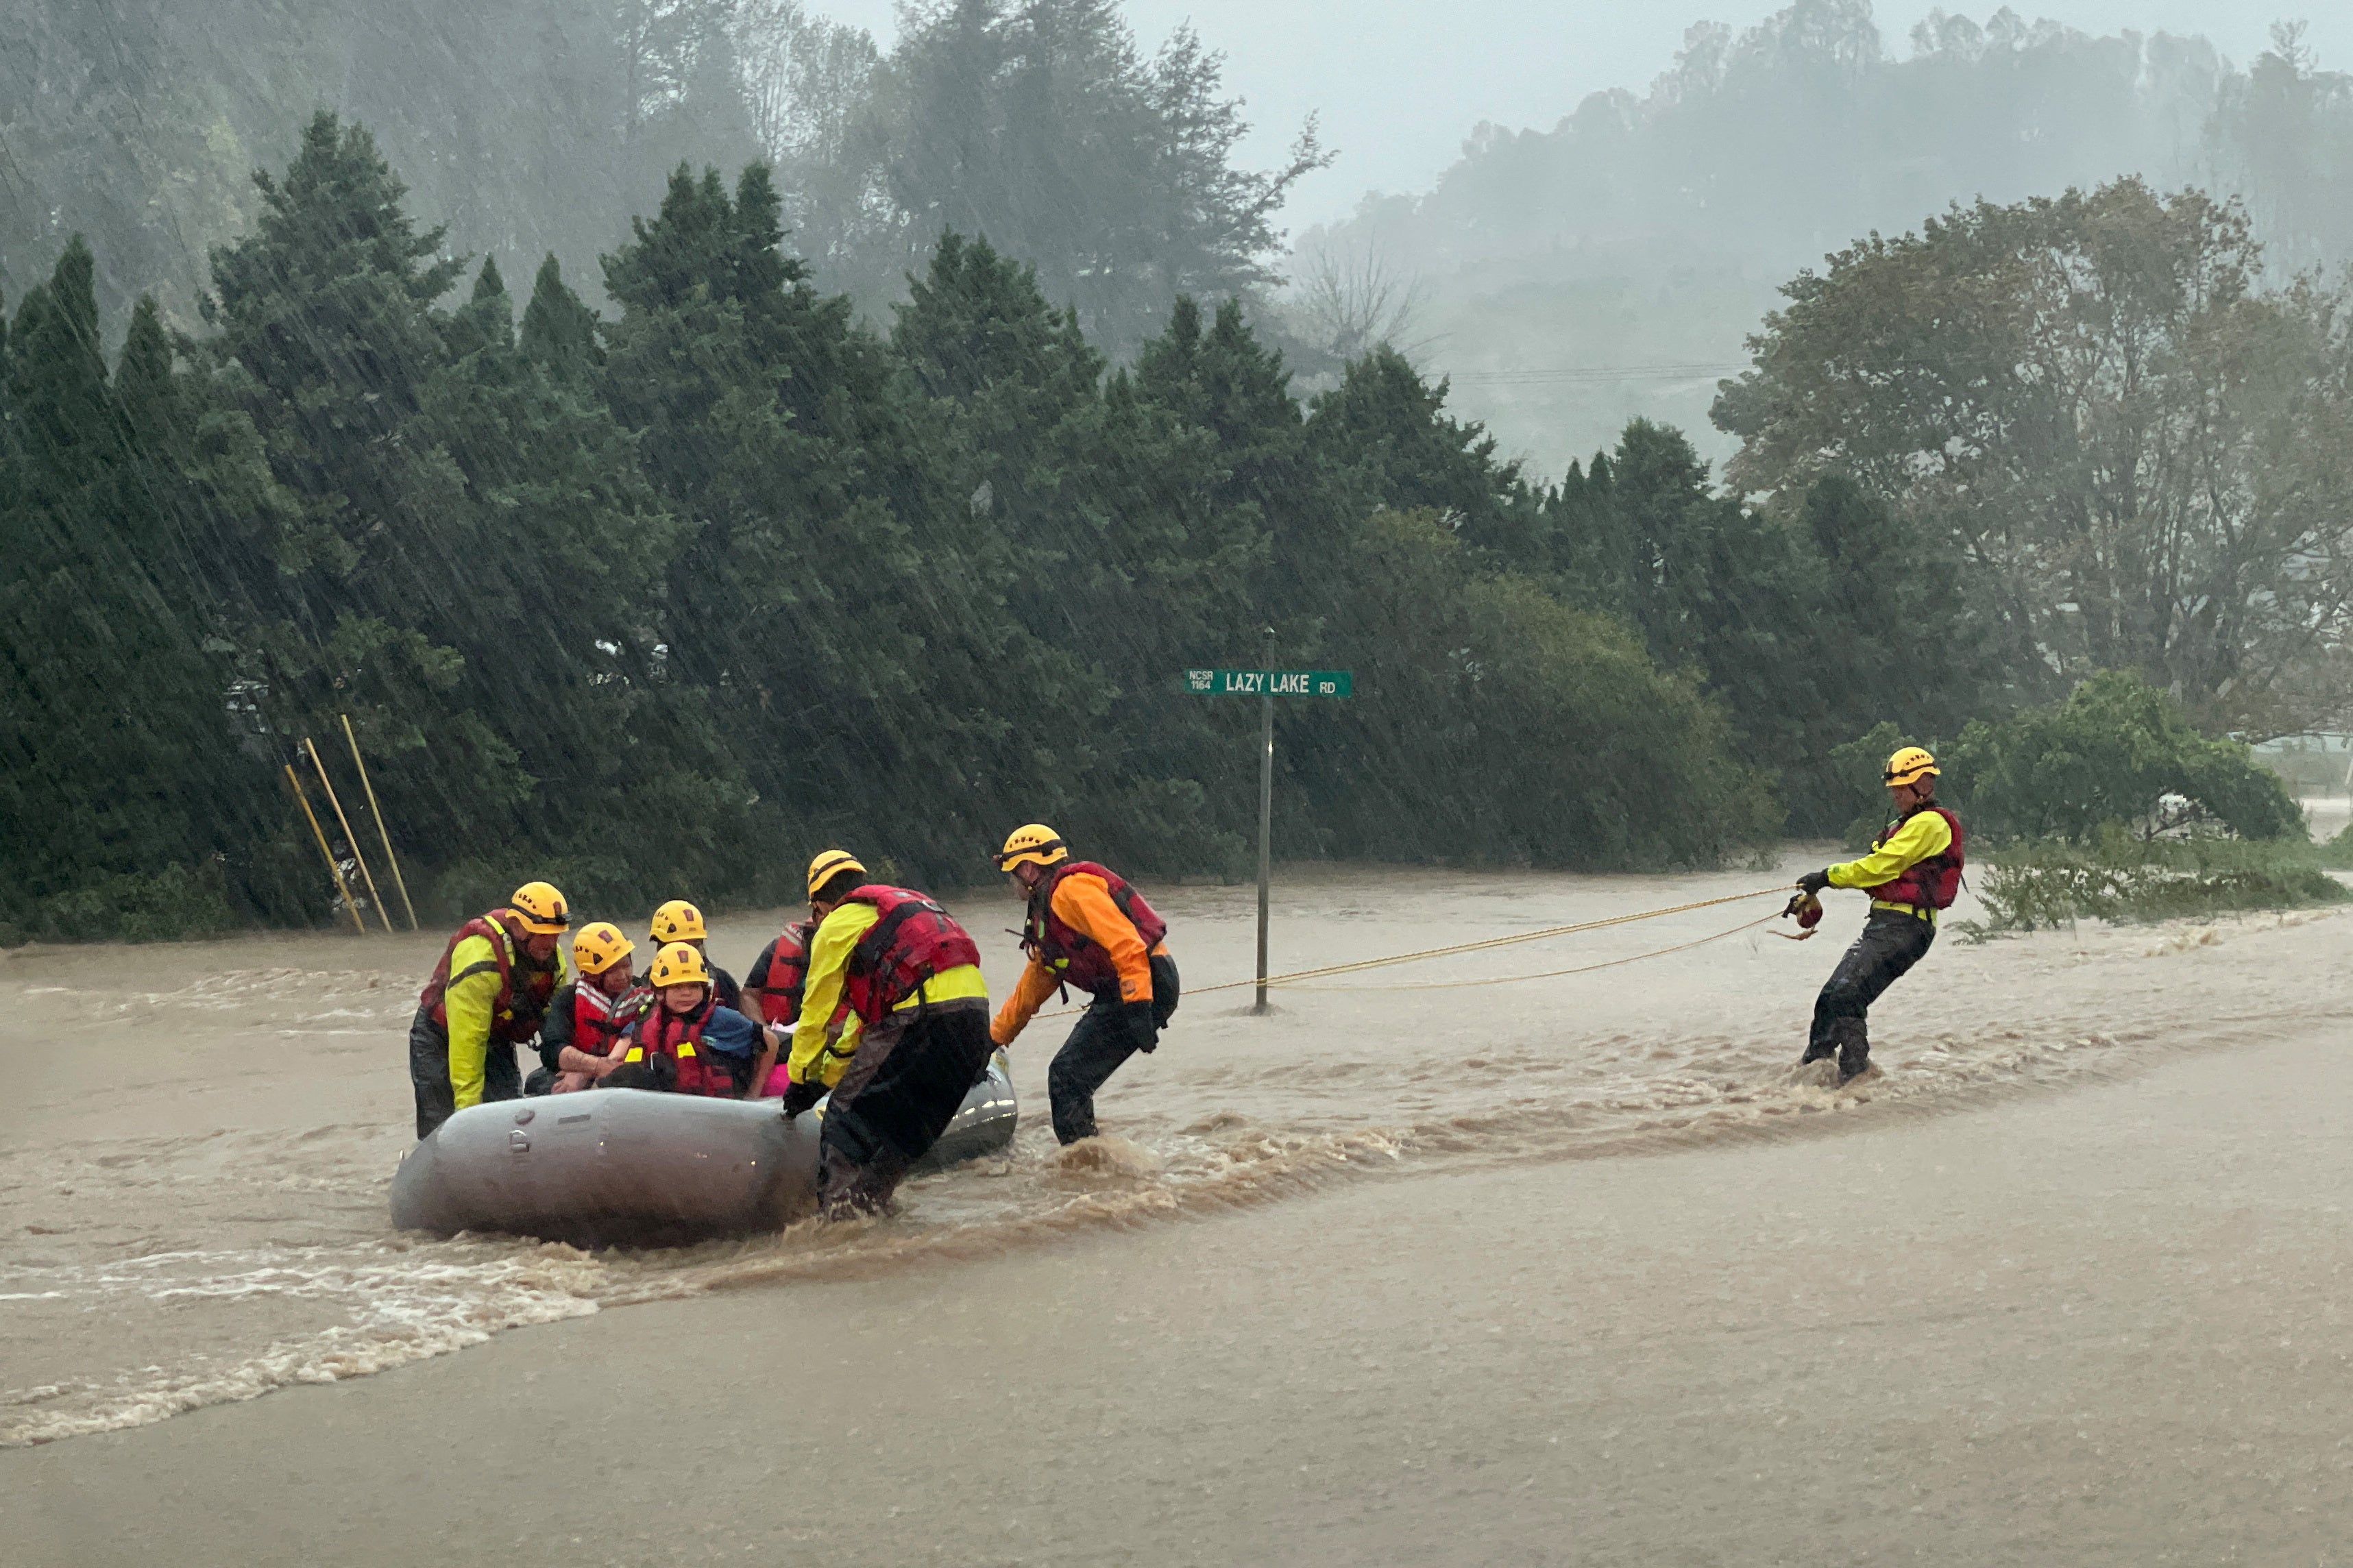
[{"x": 558, "y": 330}]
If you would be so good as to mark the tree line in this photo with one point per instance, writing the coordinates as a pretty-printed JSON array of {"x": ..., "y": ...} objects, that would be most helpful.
[
  {"x": 658, "y": 601},
  {"x": 662, "y": 602}
]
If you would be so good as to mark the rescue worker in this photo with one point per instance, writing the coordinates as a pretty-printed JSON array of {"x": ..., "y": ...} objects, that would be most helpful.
[
  {"x": 1913, "y": 871},
  {"x": 678, "y": 921},
  {"x": 486, "y": 995},
  {"x": 686, "y": 1043},
  {"x": 586, "y": 1017},
  {"x": 773, "y": 991},
  {"x": 1086, "y": 927},
  {"x": 912, "y": 976}
]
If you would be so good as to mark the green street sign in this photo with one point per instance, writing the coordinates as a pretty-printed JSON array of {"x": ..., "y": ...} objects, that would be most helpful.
[{"x": 1270, "y": 682}]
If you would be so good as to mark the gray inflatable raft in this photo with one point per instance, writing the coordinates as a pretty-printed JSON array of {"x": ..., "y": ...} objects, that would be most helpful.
[{"x": 627, "y": 1167}]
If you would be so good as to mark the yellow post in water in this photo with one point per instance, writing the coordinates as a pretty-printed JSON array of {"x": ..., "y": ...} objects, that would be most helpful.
[
  {"x": 377, "y": 812},
  {"x": 326, "y": 854},
  {"x": 349, "y": 836}
]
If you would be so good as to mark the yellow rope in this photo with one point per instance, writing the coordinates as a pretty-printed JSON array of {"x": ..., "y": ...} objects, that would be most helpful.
[
  {"x": 1549, "y": 973},
  {"x": 1293, "y": 979}
]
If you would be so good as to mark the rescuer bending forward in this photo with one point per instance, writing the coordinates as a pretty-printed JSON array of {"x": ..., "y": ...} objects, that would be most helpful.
[
  {"x": 486, "y": 995},
  {"x": 911, "y": 977},
  {"x": 1086, "y": 927},
  {"x": 1914, "y": 870}
]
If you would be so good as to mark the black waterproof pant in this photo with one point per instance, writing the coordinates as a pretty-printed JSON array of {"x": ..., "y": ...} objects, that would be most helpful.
[
  {"x": 1893, "y": 941},
  {"x": 428, "y": 1073},
  {"x": 902, "y": 1087},
  {"x": 1099, "y": 1044}
]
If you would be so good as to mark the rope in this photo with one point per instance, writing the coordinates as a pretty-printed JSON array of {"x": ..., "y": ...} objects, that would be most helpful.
[
  {"x": 1550, "y": 973},
  {"x": 1293, "y": 979}
]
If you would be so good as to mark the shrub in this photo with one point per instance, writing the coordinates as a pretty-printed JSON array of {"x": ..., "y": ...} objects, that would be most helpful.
[
  {"x": 2116, "y": 751},
  {"x": 2118, "y": 877}
]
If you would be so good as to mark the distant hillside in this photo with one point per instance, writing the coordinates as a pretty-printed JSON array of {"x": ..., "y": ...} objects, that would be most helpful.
[
  {"x": 1610, "y": 267},
  {"x": 526, "y": 125}
]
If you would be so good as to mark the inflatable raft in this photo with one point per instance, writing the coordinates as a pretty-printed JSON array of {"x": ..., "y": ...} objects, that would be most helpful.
[{"x": 628, "y": 1167}]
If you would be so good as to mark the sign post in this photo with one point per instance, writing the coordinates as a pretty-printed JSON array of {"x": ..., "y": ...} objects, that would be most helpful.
[{"x": 1266, "y": 685}]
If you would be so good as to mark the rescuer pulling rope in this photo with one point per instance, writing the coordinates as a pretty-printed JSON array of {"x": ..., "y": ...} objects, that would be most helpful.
[{"x": 1914, "y": 870}]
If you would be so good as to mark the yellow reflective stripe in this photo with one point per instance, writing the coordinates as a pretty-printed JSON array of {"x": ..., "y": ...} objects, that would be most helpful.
[
  {"x": 685, "y": 1049},
  {"x": 948, "y": 986},
  {"x": 635, "y": 1055}
]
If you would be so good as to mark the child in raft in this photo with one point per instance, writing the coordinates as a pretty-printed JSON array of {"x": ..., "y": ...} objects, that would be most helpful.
[
  {"x": 686, "y": 1043},
  {"x": 588, "y": 1015}
]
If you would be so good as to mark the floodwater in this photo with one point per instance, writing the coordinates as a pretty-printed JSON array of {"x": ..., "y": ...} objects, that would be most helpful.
[{"x": 197, "y": 1138}]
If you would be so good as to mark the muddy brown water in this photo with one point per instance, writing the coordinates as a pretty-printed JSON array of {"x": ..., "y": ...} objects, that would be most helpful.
[{"x": 198, "y": 1137}]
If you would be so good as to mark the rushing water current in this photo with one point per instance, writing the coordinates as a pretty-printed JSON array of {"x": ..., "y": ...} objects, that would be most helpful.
[{"x": 197, "y": 1139}]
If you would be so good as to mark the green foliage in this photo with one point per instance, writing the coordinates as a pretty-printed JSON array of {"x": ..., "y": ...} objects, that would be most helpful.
[
  {"x": 1041, "y": 125},
  {"x": 1586, "y": 753},
  {"x": 1810, "y": 621},
  {"x": 2119, "y": 877},
  {"x": 2177, "y": 501},
  {"x": 2116, "y": 753},
  {"x": 659, "y": 606}
]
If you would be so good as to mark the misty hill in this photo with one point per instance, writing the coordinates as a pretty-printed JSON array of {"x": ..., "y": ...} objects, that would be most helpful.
[
  {"x": 525, "y": 127},
  {"x": 1611, "y": 266}
]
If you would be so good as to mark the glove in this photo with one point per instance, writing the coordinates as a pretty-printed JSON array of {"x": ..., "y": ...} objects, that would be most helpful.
[
  {"x": 1141, "y": 1026},
  {"x": 1814, "y": 881},
  {"x": 801, "y": 1096}
]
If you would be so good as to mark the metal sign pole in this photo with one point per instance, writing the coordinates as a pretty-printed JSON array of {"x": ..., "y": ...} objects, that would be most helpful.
[
  {"x": 1266, "y": 685},
  {"x": 1265, "y": 834}
]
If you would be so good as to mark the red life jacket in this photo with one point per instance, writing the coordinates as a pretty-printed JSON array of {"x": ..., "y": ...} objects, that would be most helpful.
[
  {"x": 780, "y": 998},
  {"x": 1930, "y": 884},
  {"x": 514, "y": 1013},
  {"x": 598, "y": 1020},
  {"x": 913, "y": 940},
  {"x": 678, "y": 1037},
  {"x": 1075, "y": 958}
]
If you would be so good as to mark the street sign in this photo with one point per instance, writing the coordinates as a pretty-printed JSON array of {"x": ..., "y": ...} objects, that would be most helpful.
[
  {"x": 1270, "y": 682},
  {"x": 1266, "y": 685}
]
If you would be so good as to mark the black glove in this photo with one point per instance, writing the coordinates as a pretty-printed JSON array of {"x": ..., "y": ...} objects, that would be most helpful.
[
  {"x": 1814, "y": 881},
  {"x": 1142, "y": 1027},
  {"x": 800, "y": 1096}
]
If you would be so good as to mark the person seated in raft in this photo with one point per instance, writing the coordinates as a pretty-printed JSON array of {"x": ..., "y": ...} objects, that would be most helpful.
[
  {"x": 686, "y": 1043},
  {"x": 587, "y": 1015},
  {"x": 678, "y": 921}
]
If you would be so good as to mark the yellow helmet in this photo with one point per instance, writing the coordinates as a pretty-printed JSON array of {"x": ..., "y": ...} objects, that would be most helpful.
[
  {"x": 1034, "y": 845},
  {"x": 1906, "y": 767},
  {"x": 829, "y": 865},
  {"x": 542, "y": 908},
  {"x": 677, "y": 920},
  {"x": 680, "y": 964},
  {"x": 600, "y": 946}
]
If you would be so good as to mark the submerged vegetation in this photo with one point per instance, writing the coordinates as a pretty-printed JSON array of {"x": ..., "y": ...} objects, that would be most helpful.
[{"x": 2119, "y": 877}]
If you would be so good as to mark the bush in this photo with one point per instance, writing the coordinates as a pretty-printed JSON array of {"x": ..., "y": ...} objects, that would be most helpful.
[
  {"x": 175, "y": 904},
  {"x": 2116, "y": 753},
  {"x": 2121, "y": 878}
]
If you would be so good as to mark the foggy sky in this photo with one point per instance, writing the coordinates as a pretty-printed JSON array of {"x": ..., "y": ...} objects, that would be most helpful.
[{"x": 1400, "y": 83}]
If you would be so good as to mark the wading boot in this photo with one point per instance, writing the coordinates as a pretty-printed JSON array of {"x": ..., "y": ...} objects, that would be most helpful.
[{"x": 1854, "y": 1051}]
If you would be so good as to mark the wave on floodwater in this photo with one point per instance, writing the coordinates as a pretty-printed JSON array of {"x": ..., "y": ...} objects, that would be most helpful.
[{"x": 153, "y": 1273}]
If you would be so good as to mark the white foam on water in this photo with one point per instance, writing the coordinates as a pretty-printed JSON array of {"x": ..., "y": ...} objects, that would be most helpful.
[{"x": 189, "y": 1264}]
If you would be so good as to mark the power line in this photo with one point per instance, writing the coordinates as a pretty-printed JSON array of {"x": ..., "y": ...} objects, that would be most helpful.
[{"x": 1579, "y": 374}]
